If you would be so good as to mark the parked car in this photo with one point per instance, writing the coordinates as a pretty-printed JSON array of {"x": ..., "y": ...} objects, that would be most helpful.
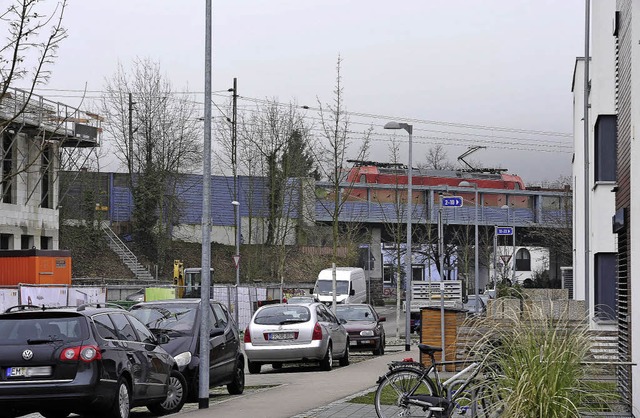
[
  {"x": 179, "y": 319},
  {"x": 287, "y": 333},
  {"x": 138, "y": 296},
  {"x": 90, "y": 360},
  {"x": 364, "y": 326},
  {"x": 301, "y": 299},
  {"x": 470, "y": 305}
]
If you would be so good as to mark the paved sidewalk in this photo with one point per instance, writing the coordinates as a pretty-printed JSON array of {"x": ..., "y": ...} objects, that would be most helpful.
[
  {"x": 343, "y": 409},
  {"x": 311, "y": 395}
]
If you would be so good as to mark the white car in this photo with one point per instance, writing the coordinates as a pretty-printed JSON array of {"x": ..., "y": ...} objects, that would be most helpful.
[{"x": 286, "y": 333}]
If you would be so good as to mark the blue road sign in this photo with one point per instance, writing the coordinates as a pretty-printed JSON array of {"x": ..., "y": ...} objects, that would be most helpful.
[
  {"x": 452, "y": 201},
  {"x": 504, "y": 230}
]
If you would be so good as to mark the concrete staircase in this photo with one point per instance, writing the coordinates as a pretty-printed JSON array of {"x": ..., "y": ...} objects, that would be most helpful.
[{"x": 126, "y": 255}]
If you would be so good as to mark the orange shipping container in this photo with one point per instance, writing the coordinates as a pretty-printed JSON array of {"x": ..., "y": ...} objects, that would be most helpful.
[{"x": 35, "y": 267}]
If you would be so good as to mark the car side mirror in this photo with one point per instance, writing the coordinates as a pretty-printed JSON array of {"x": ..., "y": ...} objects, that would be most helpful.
[
  {"x": 352, "y": 292},
  {"x": 215, "y": 332},
  {"x": 163, "y": 338},
  {"x": 382, "y": 319},
  {"x": 343, "y": 321}
]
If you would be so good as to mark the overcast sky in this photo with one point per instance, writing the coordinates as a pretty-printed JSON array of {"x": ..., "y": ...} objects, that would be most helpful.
[{"x": 439, "y": 64}]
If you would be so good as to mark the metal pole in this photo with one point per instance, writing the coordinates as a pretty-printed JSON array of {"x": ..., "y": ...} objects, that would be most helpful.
[
  {"x": 203, "y": 372},
  {"x": 587, "y": 188},
  {"x": 476, "y": 256},
  {"x": 441, "y": 256},
  {"x": 236, "y": 209},
  {"x": 131, "y": 138},
  {"x": 495, "y": 256},
  {"x": 369, "y": 273},
  {"x": 408, "y": 261},
  {"x": 513, "y": 251}
]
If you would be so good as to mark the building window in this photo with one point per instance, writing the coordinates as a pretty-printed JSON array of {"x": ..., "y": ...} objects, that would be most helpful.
[
  {"x": 6, "y": 242},
  {"x": 26, "y": 242},
  {"x": 605, "y": 148},
  {"x": 417, "y": 272},
  {"x": 7, "y": 180},
  {"x": 46, "y": 243},
  {"x": 605, "y": 286},
  {"x": 387, "y": 273},
  {"x": 46, "y": 168},
  {"x": 523, "y": 260}
]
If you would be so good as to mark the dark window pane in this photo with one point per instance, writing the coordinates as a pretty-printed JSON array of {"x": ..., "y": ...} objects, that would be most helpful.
[
  {"x": 605, "y": 285},
  {"x": 105, "y": 327}
]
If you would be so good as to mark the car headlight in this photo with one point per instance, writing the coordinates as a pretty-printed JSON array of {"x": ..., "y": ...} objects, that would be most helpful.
[
  {"x": 366, "y": 333},
  {"x": 183, "y": 359}
]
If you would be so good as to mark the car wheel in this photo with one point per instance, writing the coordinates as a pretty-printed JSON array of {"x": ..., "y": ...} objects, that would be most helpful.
[
  {"x": 327, "y": 362},
  {"x": 276, "y": 366},
  {"x": 121, "y": 406},
  {"x": 344, "y": 360},
  {"x": 53, "y": 414},
  {"x": 380, "y": 350},
  {"x": 176, "y": 396},
  {"x": 254, "y": 368},
  {"x": 236, "y": 387}
]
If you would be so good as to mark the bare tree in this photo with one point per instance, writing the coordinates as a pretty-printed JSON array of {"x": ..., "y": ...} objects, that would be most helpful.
[
  {"x": 436, "y": 159},
  {"x": 33, "y": 32},
  {"x": 333, "y": 148},
  {"x": 157, "y": 134},
  {"x": 332, "y": 153}
]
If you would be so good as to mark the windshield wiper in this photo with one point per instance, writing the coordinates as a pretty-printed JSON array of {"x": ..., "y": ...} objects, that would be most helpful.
[
  {"x": 292, "y": 321},
  {"x": 34, "y": 341}
]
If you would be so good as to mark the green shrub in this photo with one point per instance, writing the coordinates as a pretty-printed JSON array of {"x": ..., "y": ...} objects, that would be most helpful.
[{"x": 540, "y": 366}]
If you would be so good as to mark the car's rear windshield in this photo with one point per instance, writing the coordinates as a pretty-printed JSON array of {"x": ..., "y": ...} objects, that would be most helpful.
[
  {"x": 20, "y": 329},
  {"x": 170, "y": 317},
  {"x": 281, "y": 315},
  {"x": 354, "y": 313}
]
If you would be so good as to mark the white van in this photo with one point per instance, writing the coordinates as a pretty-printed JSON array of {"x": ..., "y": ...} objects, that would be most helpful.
[{"x": 351, "y": 286}]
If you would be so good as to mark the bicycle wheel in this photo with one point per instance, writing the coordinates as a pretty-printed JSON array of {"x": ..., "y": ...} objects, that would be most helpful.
[
  {"x": 490, "y": 398},
  {"x": 391, "y": 396},
  {"x": 462, "y": 398}
]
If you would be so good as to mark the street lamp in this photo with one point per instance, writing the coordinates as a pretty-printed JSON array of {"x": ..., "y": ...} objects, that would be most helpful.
[
  {"x": 465, "y": 183},
  {"x": 236, "y": 209},
  {"x": 407, "y": 285}
]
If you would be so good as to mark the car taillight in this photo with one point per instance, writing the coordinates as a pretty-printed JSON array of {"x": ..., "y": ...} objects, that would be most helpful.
[
  {"x": 317, "y": 332},
  {"x": 86, "y": 353},
  {"x": 247, "y": 335}
]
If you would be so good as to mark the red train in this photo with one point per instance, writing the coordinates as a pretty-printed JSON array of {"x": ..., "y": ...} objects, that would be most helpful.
[{"x": 371, "y": 172}]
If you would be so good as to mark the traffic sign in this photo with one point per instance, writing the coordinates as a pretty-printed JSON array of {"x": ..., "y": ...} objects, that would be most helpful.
[
  {"x": 505, "y": 258},
  {"x": 504, "y": 230},
  {"x": 236, "y": 261},
  {"x": 452, "y": 201}
]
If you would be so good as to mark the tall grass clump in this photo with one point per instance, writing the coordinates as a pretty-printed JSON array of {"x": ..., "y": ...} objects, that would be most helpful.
[{"x": 537, "y": 365}]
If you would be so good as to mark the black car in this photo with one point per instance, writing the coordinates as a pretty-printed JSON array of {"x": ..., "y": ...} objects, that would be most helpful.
[
  {"x": 179, "y": 319},
  {"x": 92, "y": 360}
]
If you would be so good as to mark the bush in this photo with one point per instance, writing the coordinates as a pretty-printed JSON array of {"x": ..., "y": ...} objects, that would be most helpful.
[{"x": 539, "y": 366}]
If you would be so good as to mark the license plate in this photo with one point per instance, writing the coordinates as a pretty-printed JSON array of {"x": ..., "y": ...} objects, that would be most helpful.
[
  {"x": 28, "y": 371},
  {"x": 278, "y": 336},
  {"x": 353, "y": 343}
]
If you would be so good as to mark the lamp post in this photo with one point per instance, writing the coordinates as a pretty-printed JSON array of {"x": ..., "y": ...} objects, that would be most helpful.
[
  {"x": 236, "y": 209},
  {"x": 408, "y": 255},
  {"x": 476, "y": 264}
]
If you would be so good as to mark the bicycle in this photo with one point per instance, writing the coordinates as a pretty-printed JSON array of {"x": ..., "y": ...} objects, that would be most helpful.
[{"x": 408, "y": 390}]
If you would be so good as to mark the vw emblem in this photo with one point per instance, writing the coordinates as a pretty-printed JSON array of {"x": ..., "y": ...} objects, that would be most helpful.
[{"x": 27, "y": 354}]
